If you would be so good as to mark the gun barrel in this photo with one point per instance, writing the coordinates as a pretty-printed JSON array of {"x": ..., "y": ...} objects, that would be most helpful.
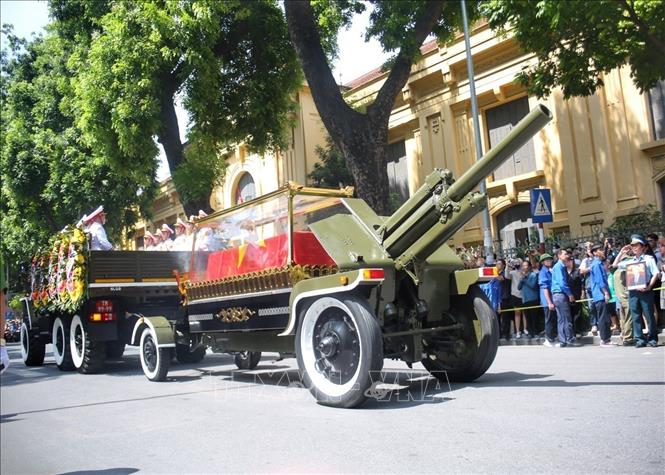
[{"x": 516, "y": 138}]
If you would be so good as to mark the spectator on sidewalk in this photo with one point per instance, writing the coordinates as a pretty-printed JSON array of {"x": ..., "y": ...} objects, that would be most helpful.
[
  {"x": 641, "y": 301},
  {"x": 545, "y": 284},
  {"x": 528, "y": 286},
  {"x": 505, "y": 313},
  {"x": 623, "y": 308},
  {"x": 562, "y": 297},
  {"x": 576, "y": 284},
  {"x": 600, "y": 293},
  {"x": 615, "y": 329},
  {"x": 516, "y": 298},
  {"x": 585, "y": 268}
]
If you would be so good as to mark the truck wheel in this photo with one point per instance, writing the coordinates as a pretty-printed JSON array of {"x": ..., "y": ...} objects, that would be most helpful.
[
  {"x": 339, "y": 348},
  {"x": 61, "y": 352},
  {"x": 473, "y": 352},
  {"x": 32, "y": 349},
  {"x": 185, "y": 356},
  {"x": 114, "y": 349},
  {"x": 87, "y": 355},
  {"x": 154, "y": 360},
  {"x": 247, "y": 359}
]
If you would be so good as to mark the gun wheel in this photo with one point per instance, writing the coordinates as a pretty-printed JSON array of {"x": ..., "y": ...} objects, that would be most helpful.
[
  {"x": 339, "y": 348},
  {"x": 471, "y": 351}
]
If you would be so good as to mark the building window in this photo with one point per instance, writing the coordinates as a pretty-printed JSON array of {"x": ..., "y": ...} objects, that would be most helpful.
[
  {"x": 246, "y": 189},
  {"x": 500, "y": 121},
  {"x": 657, "y": 110},
  {"x": 398, "y": 173}
]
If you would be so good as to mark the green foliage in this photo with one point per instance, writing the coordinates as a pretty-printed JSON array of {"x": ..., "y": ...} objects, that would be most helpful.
[
  {"x": 644, "y": 220},
  {"x": 331, "y": 15},
  {"x": 201, "y": 170},
  {"x": 332, "y": 171},
  {"x": 49, "y": 177},
  {"x": 576, "y": 41},
  {"x": 229, "y": 62}
]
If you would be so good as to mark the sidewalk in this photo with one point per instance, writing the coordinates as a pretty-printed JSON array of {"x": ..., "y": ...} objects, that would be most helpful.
[{"x": 587, "y": 339}]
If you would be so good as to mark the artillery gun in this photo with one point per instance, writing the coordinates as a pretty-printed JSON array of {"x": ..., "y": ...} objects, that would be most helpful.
[{"x": 319, "y": 274}]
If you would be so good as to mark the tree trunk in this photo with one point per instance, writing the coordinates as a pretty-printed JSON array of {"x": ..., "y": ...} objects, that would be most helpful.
[
  {"x": 362, "y": 138},
  {"x": 169, "y": 137}
]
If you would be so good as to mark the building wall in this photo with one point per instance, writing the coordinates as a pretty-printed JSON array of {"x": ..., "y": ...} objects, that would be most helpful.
[
  {"x": 598, "y": 155},
  {"x": 274, "y": 169}
]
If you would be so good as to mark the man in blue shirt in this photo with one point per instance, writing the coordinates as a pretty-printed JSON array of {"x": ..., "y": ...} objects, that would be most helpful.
[
  {"x": 562, "y": 297},
  {"x": 545, "y": 284},
  {"x": 641, "y": 301},
  {"x": 600, "y": 293}
]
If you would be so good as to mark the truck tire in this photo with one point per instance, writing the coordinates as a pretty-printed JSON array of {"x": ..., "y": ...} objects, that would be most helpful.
[
  {"x": 339, "y": 349},
  {"x": 154, "y": 360},
  {"x": 475, "y": 350},
  {"x": 184, "y": 354},
  {"x": 60, "y": 339},
  {"x": 247, "y": 359},
  {"x": 32, "y": 349},
  {"x": 115, "y": 349},
  {"x": 88, "y": 356}
]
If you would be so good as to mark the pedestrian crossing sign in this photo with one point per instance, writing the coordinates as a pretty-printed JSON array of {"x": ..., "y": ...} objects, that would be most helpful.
[{"x": 541, "y": 205}]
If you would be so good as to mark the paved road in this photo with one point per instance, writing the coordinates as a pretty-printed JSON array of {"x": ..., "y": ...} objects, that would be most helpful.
[{"x": 572, "y": 410}]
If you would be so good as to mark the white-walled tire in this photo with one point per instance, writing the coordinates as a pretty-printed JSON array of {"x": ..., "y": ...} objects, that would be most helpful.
[
  {"x": 60, "y": 340},
  {"x": 154, "y": 360},
  {"x": 339, "y": 349},
  {"x": 32, "y": 349},
  {"x": 87, "y": 355}
]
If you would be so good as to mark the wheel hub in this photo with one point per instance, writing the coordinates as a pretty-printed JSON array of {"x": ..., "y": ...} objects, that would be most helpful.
[
  {"x": 329, "y": 345},
  {"x": 336, "y": 346}
]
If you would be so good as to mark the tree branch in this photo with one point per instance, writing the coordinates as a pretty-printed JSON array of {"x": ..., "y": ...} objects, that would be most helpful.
[
  {"x": 401, "y": 69},
  {"x": 642, "y": 26},
  {"x": 334, "y": 111}
]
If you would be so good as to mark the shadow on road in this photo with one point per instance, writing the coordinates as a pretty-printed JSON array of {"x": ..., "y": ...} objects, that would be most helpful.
[{"x": 108, "y": 471}]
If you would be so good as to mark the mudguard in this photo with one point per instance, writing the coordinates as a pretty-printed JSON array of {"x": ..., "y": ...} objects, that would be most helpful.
[
  {"x": 160, "y": 326},
  {"x": 326, "y": 285}
]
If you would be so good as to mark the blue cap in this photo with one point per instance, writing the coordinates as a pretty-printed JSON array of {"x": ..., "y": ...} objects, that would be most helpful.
[{"x": 638, "y": 239}]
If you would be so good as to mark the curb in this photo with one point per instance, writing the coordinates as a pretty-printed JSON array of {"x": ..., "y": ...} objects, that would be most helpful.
[{"x": 586, "y": 340}]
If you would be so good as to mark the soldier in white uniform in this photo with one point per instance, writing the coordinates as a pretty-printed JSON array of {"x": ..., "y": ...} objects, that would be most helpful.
[
  {"x": 149, "y": 241},
  {"x": 180, "y": 241},
  {"x": 93, "y": 224},
  {"x": 167, "y": 243}
]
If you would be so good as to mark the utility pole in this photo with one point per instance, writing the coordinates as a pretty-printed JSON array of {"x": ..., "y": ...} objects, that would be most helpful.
[{"x": 487, "y": 228}]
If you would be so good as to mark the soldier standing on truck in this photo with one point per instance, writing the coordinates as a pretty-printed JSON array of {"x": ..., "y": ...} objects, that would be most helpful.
[
  {"x": 93, "y": 224},
  {"x": 181, "y": 238}
]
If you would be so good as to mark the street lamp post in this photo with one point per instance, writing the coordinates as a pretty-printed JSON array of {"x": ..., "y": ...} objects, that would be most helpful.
[{"x": 487, "y": 230}]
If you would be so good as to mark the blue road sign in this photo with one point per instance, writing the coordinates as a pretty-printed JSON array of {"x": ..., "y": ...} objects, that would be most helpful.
[{"x": 541, "y": 206}]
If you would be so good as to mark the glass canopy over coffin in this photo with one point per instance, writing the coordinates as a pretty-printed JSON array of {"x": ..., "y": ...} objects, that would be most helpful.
[{"x": 263, "y": 237}]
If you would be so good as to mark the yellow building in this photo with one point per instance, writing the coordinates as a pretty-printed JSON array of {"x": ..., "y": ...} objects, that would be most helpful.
[{"x": 602, "y": 156}]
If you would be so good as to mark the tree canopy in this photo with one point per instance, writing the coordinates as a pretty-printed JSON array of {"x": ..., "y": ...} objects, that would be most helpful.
[{"x": 576, "y": 41}]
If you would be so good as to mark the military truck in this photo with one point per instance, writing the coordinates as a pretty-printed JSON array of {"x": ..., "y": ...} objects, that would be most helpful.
[
  {"x": 91, "y": 304},
  {"x": 318, "y": 274}
]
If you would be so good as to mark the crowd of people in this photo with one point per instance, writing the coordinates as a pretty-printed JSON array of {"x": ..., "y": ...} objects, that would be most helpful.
[
  {"x": 549, "y": 295},
  {"x": 12, "y": 330}
]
